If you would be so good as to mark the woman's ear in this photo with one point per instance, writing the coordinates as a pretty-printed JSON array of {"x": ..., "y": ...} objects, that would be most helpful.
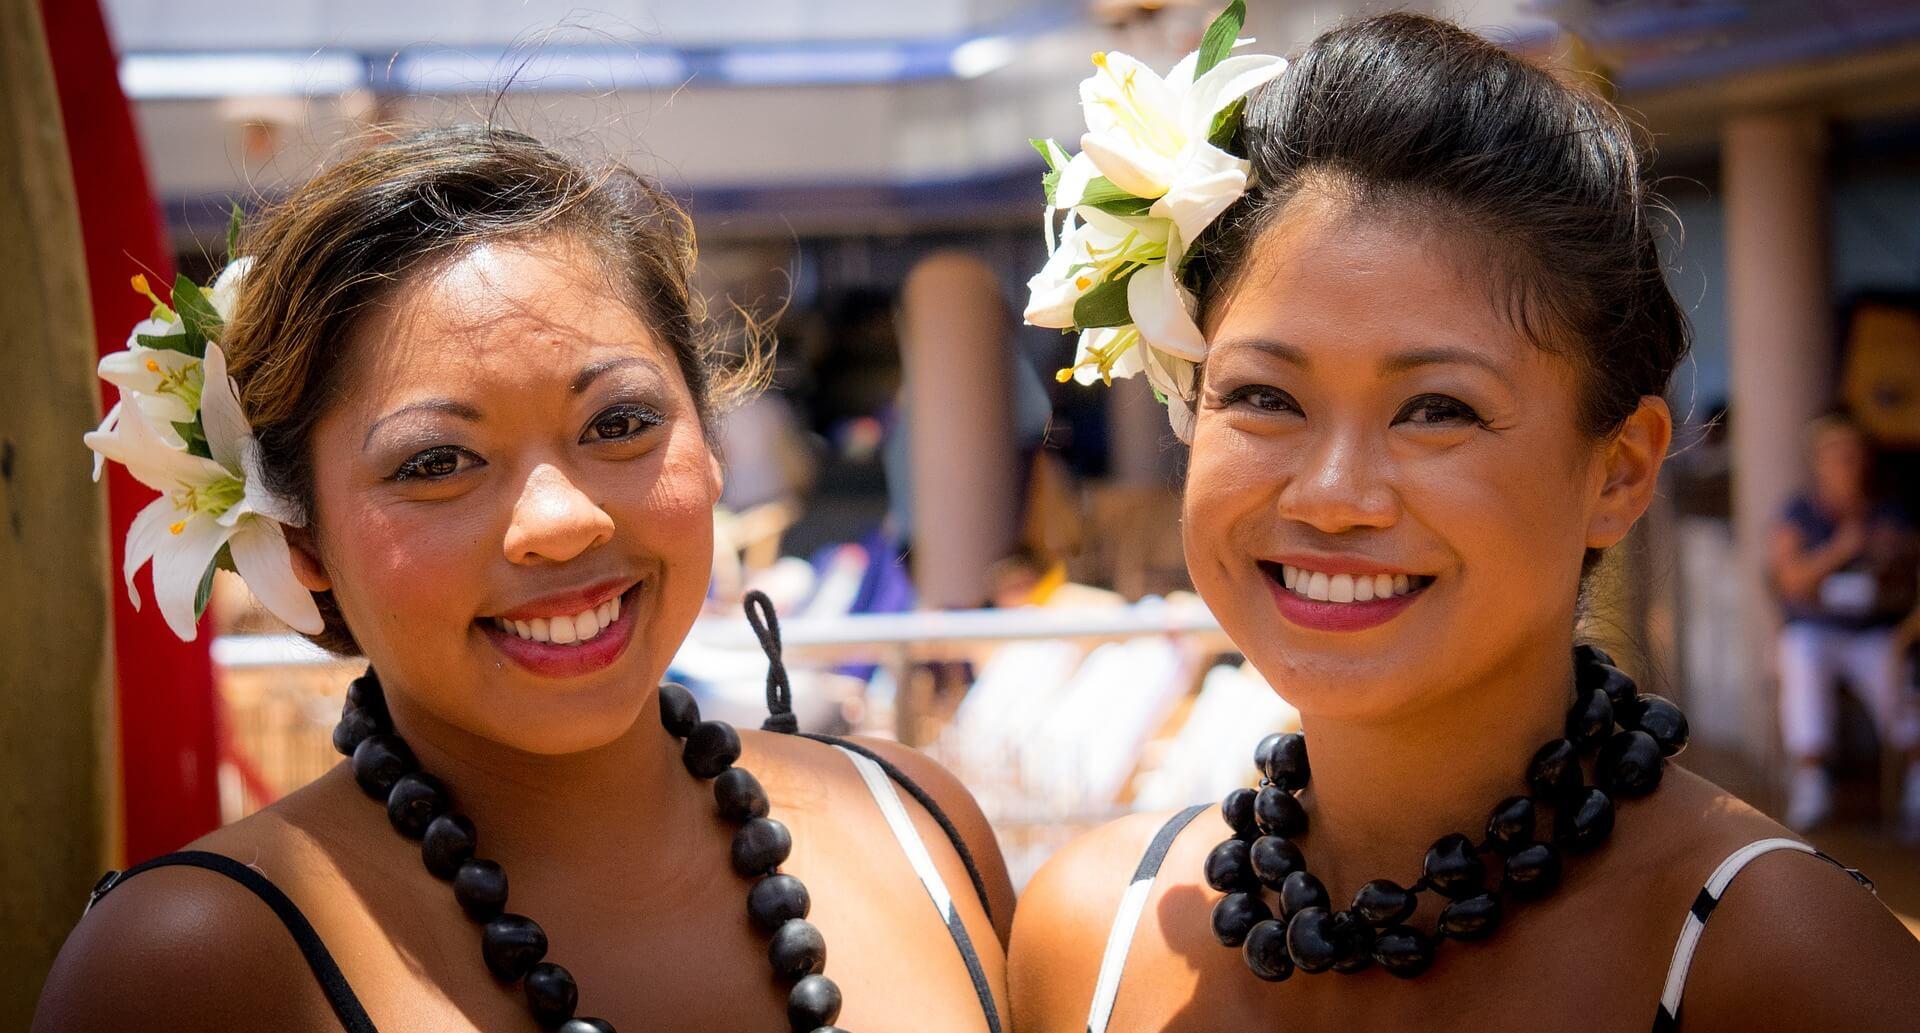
[
  {"x": 716, "y": 477},
  {"x": 307, "y": 568},
  {"x": 1631, "y": 471}
]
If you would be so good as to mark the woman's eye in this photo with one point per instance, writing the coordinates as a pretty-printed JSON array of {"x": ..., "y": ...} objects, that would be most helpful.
[
  {"x": 1261, "y": 397},
  {"x": 437, "y": 463},
  {"x": 622, "y": 422},
  {"x": 1438, "y": 410}
]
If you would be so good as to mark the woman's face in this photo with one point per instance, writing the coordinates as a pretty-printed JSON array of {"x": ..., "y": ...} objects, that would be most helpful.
[
  {"x": 1387, "y": 487},
  {"x": 513, "y": 498}
]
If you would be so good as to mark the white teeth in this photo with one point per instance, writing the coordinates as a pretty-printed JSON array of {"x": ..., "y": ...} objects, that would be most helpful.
[
  {"x": 1344, "y": 588},
  {"x": 580, "y": 627}
]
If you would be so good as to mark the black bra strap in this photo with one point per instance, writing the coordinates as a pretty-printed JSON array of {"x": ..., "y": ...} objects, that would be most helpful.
[{"x": 352, "y": 1016}]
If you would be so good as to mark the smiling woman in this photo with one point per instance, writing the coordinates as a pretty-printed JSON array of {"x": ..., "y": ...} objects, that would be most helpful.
[
  {"x": 479, "y": 387},
  {"x": 1437, "y": 340}
]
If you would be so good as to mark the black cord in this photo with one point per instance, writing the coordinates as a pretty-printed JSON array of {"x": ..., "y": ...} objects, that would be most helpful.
[{"x": 766, "y": 628}]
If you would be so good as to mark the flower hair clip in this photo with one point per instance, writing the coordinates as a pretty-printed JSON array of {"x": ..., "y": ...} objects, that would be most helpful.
[
  {"x": 1152, "y": 174},
  {"x": 179, "y": 429}
]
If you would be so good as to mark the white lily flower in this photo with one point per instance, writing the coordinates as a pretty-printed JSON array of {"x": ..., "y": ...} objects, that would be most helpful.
[
  {"x": 1105, "y": 354},
  {"x": 1174, "y": 377},
  {"x": 1089, "y": 253},
  {"x": 226, "y": 287},
  {"x": 204, "y": 504},
  {"x": 1149, "y": 135},
  {"x": 165, "y": 384}
]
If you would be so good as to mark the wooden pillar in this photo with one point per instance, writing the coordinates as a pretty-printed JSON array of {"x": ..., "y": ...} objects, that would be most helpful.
[
  {"x": 1780, "y": 321},
  {"x": 55, "y": 662}
]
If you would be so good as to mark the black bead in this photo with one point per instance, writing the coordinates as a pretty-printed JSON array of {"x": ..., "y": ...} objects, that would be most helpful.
[
  {"x": 1532, "y": 872},
  {"x": 1584, "y": 822},
  {"x": 1278, "y": 813},
  {"x": 776, "y": 900},
  {"x": 1470, "y": 918},
  {"x": 379, "y": 761},
  {"x": 678, "y": 711},
  {"x": 552, "y": 994},
  {"x": 813, "y": 1002},
  {"x": 1511, "y": 825},
  {"x": 1384, "y": 902},
  {"x": 1629, "y": 764},
  {"x": 1310, "y": 940},
  {"x": 1237, "y": 808},
  {"x": 1608, "y": 679},
  {"x": 414, "y": 801},
  {"x": 1265, "y": 951},
  {"x": 364, "y": 693},
  {"x": 449, "y": 842},
  {"x": 711, "y": 748},
  {"x": 1555, "y": 770},
  {"x": 1590, "y": 719},
  {"x": 1228, "y": 868},
  {"x": 1283, "y": 759},
  {"x": 797, "y": 950},
  {"x": 579, "y": 1025},
  {"x": 511, "y": 944},
  {"x": 1235, "y": 915},
  {"x": 739, "y": 795},
  {"x": 1353, "y": 939},
  {"x": 1453, "y": 867},
  {"x": 760, "y": 846},
  {"x": 1274, "y": 859},
  {"x": 1300, "y": 891},
  {"x": 355, "y": 726},
  {"x": 1659, "y": 717},
  {"x": 1587, "y": 653},
  {"x": 1403, "y": 951},
  {"x": 481, "y": 888}
]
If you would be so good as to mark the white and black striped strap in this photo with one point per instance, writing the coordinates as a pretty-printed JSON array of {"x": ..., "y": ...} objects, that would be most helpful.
[
  {"x": 901, "y": 823},
  {"x": 1107, "y": 987},
  {"x": 1668, "y": 1016}
]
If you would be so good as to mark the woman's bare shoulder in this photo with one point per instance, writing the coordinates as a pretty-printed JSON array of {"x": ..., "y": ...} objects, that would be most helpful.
[
  {"x": 1066, "y": 911},
  {"x": 184, "y": 948}
]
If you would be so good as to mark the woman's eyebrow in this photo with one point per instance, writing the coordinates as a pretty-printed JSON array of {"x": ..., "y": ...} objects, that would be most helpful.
[
  {"x": 1442, "y": 355},
  {"x": 441, "y": 405},
  {"x": 592, "y": 371}
]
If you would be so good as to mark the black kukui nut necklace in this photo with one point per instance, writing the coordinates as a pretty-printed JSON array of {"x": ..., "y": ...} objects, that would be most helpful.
[
  {"x": 1309, "y": 936},
  {"x": 513, "y": 946}
]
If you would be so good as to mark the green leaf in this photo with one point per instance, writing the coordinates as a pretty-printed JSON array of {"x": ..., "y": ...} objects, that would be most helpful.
[
  {"x": 1045, "y": 147},
  {"x": 1225, "y": 123},
  {"x": 233, "y": 231},
  {"x": 1051, "y": 184},
  {"x": 197, "y": 315},
  {"x": 195, "y": 438},
  {"x": 171, "y": 342},
  {"x": 1218, "y": 42},
  {"x": 205, "y": 591},
  {"x": 1104, "y": 305},
  {"x": 1124, "y": 206},
  {"x": 223, "y": 559},
  {"x": 1100, "y": 190}
]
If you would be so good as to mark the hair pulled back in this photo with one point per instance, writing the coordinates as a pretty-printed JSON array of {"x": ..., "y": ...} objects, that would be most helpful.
[
  {"x": 336, "y": 247},
  {"x": 1404, "y": 115}
]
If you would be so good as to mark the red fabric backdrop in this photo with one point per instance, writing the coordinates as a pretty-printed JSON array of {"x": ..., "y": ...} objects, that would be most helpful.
[{"x": 168, "y": 754}]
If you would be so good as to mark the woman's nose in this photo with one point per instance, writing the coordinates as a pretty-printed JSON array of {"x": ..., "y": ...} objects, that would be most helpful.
[
  {"x": 1341, "y": 483},
  {"x": 553, "y": 520}
]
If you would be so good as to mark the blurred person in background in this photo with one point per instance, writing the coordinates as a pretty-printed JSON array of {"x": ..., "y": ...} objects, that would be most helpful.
[
  {"x": 1845, "y": 566},
  {"x": 1422, "y": 371},
  {"x": 468, "y": 436}
]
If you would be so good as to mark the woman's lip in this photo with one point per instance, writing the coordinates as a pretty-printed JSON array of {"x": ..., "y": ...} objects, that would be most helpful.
[
  {"x": 569, "y": 661},
  {"x": 568, "y": 603},
  {"x": 1329, "y": 616}
]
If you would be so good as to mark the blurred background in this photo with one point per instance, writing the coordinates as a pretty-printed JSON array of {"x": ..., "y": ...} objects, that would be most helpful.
[{"x": 967, "y": 555}]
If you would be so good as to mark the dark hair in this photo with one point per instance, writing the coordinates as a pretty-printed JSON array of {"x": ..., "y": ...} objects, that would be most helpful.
[
  {"x": 1405, "y": 113},
  {"x": 337, "y": 246}
]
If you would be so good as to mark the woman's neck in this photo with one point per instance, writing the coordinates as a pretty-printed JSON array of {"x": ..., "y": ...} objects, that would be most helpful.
[
  {"x": 622, "y": 804},
  {"x": 1383, "y": 791}
]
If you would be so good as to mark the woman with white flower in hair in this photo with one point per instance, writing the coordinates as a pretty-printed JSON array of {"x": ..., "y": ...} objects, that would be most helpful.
[
  {"x": 1403, "y": 300},
  {"x": 451, "y": 413}
]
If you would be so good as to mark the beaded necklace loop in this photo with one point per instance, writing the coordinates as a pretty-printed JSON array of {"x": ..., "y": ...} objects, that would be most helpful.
[{"x": 1630, "y": 735}]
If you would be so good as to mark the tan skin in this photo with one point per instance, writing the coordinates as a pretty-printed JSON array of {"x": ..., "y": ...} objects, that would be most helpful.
[
  {"x": 576, "y": 790},
  {"x": 1318, "y": 433}
]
